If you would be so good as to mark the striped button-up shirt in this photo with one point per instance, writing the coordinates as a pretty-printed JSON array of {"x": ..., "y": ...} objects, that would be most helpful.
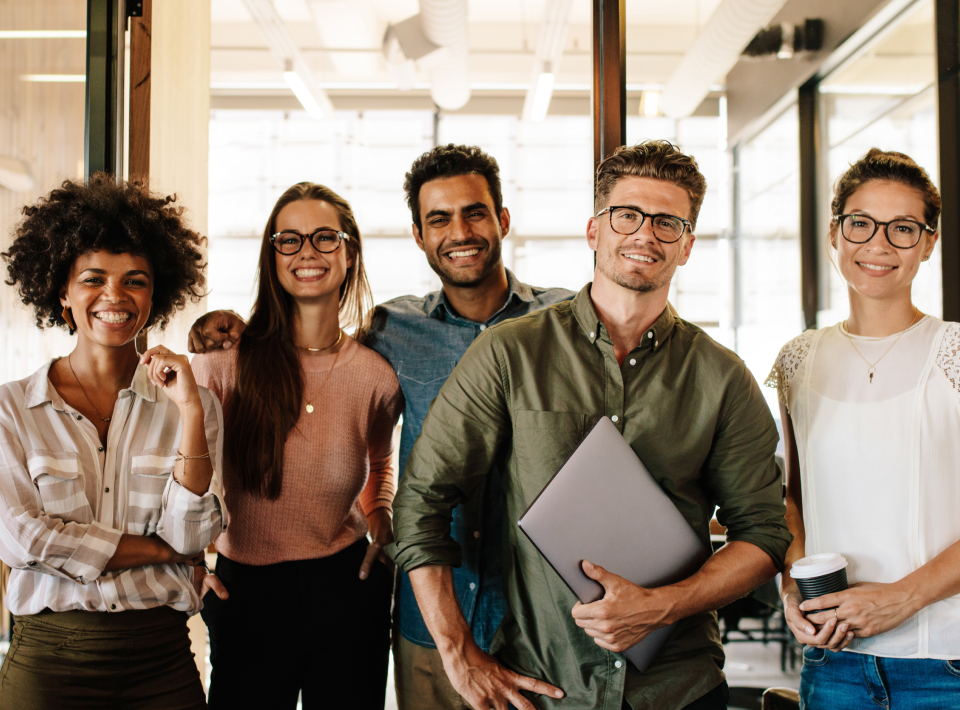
[{"x": 65, "y": 498}]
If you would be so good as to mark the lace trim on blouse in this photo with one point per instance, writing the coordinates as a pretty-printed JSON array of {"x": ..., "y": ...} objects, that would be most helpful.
[
  {"x": 789, "y": 359},
  {"x": 948, "y": 356}
]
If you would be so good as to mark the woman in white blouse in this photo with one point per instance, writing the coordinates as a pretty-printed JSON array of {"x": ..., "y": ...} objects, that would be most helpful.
[
  {"x": 109, "y": 460},
  {"x": 871, "y": 418}
]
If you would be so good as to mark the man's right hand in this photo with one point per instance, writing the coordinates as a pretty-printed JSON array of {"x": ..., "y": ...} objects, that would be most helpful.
[
  {"x": 217, "y": 329},
  {"x": 484, "y": 683}
]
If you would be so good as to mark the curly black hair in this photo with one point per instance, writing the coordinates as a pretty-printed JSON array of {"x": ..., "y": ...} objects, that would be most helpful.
[
  {"x": 103, "y": 214},
  {"x": 450, "y": 161}
]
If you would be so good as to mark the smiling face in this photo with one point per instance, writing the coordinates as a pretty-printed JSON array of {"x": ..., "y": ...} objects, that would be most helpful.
[
  {"x": 310, "y": 275},
  {"x": 876, "y": 269},
  {"x": 109, "y": 296},
  {"x": 461, "y": 233},
  {"x": 639, "y": 262}
]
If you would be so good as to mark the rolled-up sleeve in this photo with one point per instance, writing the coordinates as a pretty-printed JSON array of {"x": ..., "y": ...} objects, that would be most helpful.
[
  {"x": 742, "y": 473},
  {"x": 460, "y": 440},
  {"x": 189, "y": 522},
  {"x": 385, "y": 411}
]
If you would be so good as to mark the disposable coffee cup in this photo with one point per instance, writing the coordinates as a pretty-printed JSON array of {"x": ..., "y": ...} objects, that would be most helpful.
[{"x": 817, "y": 575}]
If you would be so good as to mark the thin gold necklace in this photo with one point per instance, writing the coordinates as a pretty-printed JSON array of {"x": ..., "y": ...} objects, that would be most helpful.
[
  {"x": 102, "y": 418},
  {"x": 309, "y": 400},
  {"x": 332, "y": 345},
  {"x": 872, "y": 366}
]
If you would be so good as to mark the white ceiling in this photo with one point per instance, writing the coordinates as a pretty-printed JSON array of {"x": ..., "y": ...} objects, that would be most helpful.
[{"x": 502, "y": 39}]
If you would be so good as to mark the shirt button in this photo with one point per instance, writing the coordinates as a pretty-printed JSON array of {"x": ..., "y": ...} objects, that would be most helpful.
[
  {"x": 591, "y": 336},
  {"x": 632, "y": 361},
  {"x": 618, "y": 664},
  {"x": 79, "y": 417},
  {"x": 473, "y": 585},
  {"x": 476, "y": 533},
  {"x": 650, "y": 334},
  {"x": 100, "y": 448},
  {"x": 31, "y": 563},
  {"x": 113, "y": 607},
  {"x": 483, "y": 327},
  {"x": 614, "y": 418},
  {"x": 656, "y": 343},
  {"x": 106, "y": 490}
]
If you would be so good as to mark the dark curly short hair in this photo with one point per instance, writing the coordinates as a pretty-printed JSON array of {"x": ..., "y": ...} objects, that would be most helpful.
[
  {"x": 450, "y": 161},
  {"x": 102, "y": 214}
]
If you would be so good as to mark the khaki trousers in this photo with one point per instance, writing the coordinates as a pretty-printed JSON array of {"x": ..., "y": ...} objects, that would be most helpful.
[
  {"x": 98, "y": 661},
  {"x": 421, "y": 682}
]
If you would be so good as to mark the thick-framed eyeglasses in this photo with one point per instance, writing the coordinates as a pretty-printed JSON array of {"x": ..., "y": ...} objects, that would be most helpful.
[
  {"x": 667, "y": 228},
  {"x": 901, "y": 233},
  {"x": 290, "y": 241}
]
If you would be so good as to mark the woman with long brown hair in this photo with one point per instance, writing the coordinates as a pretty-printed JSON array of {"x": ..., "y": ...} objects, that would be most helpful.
[{"x": 309, "y": 416}]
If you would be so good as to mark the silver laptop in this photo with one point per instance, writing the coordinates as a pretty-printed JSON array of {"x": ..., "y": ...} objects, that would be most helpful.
[{"x": 604, "y": 506}]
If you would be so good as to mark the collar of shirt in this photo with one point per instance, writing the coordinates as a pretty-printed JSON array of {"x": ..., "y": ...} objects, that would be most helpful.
[
  {"x": 593, "y": 328},
  {"x": 437, "y": 306},
  {"x": 40, "y": 390}
]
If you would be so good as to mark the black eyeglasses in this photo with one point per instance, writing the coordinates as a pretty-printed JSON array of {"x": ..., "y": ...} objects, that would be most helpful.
[
  {"x": 667, "y": 228},
  {"x": 290, "y": 241},
  {"x": 901, "y": 233}
]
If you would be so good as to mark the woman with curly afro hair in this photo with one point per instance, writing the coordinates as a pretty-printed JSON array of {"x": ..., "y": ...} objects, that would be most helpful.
[{"x": 109, "y": 459}]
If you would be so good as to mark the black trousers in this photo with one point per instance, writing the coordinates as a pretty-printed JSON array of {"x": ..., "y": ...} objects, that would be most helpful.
[
  {"x": 309, "y": 625},
  {"x": 716, "y": 699}
]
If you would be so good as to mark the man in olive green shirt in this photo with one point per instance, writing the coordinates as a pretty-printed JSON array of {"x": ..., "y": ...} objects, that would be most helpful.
[{"x": 524, "y": 396}]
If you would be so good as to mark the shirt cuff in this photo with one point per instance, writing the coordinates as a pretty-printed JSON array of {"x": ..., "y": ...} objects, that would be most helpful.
[
  {"x": 183, "y": 504},
  {"x": 410, "y": 556},
  {"x": 92, "y": 554}
]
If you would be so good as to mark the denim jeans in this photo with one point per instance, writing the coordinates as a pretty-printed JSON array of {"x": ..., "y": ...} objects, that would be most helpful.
[{"x": 853, "y": 681}]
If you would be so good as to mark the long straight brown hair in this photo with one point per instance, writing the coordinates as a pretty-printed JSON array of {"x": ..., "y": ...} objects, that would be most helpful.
[{"x": 268, "y": 389}]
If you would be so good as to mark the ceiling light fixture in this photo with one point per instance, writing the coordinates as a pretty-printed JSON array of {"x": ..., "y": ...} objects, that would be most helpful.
[
  {"x": 300, "y": 90},
  {"x": 542, "y": 94},
  {"x": 43, "y": 34},
  {"x": 650, "y": 104},
  {"x": 55, "y": 78}
]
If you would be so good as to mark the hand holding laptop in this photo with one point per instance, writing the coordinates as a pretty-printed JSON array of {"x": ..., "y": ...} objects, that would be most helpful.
[{"x": 625, "y": 615}]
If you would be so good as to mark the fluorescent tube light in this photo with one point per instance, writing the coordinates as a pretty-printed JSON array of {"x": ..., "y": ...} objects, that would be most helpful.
[
  {"x": 542, "y": 94},
  {"x": 43, "y": 34},
  {"x": 650, "y": 104},
  {"x": 55, "y": 78},
  {"x": 300, "y": 90}
]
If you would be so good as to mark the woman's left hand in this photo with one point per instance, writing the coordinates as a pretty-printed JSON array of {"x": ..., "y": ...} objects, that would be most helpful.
[
  {"x": 868, "y": 608},
  {"x": 173, "y": 374},
  {"x": 381, "y": 531}
]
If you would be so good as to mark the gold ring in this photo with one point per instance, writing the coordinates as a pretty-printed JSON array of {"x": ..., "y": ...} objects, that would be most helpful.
[{"x": 835, "y": 615}]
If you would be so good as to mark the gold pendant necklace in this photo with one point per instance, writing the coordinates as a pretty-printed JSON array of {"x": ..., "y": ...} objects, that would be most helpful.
[
  {"x": 309, "y": 400},
  {"x": 102, "y": 418},
  {"x": 872, "y": 366}
]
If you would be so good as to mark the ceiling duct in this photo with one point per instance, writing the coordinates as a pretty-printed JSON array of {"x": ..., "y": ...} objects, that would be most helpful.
[
  {"x": 403, "y": 44},
  {"x": 786, "y": 40},
  {"x": 731, "y": 28},
  {"x": 444, "y": 23}
]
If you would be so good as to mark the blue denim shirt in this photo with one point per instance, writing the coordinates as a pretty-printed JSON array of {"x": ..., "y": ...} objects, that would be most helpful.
[{"x": 423, "y": 338}]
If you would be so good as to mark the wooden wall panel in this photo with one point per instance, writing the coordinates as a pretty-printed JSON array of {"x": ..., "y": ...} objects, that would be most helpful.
[
  {"x": 42, "y": 124},
  {"x": 180, "y": 124}
]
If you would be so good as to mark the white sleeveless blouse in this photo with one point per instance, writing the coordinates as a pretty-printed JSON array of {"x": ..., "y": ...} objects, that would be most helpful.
[{"x": 880, "y": 462}]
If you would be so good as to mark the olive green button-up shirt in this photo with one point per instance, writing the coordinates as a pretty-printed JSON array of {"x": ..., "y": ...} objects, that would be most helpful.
[{"x": 525, "y": 395}]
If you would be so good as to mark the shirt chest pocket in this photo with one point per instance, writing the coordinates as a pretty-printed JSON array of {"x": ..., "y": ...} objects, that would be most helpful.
[
  {"x": 150, "y": 471},
  {"x": 421, "y": 382},
  {"x": 56, "y": 474},
  {"x": 543, "y": 441}
]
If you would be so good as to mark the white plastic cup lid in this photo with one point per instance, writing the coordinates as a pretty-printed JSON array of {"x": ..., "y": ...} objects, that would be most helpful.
[{"x": 818, "y": 565}]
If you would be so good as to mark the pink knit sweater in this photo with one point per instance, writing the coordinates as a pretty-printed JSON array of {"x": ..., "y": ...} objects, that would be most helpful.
[{"x": 336, "y": 462}]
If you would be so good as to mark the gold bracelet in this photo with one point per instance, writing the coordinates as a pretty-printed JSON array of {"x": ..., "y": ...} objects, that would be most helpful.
[{"x": 182, "y": 457}]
